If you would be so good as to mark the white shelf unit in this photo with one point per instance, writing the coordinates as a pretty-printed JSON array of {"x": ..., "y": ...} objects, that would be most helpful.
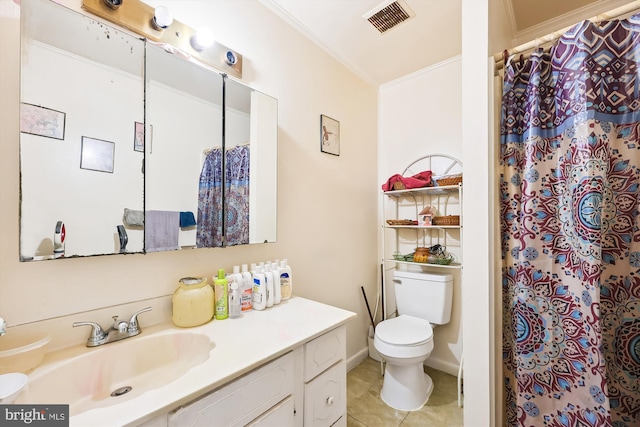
[{"x": 407, "y": 204}]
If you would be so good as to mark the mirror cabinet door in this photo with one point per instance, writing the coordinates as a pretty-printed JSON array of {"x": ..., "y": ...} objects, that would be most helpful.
[
  {"x": 183, "y": 152},
  {"x": 82, "y": 100},
  {"x": 251, "y": 162}
]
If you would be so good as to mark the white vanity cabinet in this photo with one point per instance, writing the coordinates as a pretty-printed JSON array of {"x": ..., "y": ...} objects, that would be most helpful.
[{"x": 305, "y": 387}]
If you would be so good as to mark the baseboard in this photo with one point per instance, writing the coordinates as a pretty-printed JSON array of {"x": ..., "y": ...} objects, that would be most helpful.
[
  {"x": 444, "y": 366},
  {"x": 355, "y": 360}
]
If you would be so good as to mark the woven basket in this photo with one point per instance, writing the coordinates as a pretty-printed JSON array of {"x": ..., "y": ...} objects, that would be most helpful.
[
  {"x": 446, "y": 220},
  {"x": 451, "y": 180}
]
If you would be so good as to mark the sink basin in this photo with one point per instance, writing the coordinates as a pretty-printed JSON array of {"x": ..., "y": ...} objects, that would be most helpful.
[{"x": 109, "y": 374}]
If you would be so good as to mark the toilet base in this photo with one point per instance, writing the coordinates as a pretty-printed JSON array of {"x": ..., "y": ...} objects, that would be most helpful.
[{"x": 406, "y": 388}]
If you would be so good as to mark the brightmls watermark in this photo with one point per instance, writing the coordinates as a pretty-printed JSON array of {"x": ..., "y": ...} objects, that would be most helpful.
[{"x": 34, "y": 415}]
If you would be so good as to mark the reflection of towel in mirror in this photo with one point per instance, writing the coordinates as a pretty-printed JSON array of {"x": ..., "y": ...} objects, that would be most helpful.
[
  {"x": 161, "y": 231},
  {"x": 133, "y": 218},
  {"x": 187, "y": 219}
]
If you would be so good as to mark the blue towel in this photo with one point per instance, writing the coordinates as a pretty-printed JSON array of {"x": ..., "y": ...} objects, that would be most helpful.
[{"x": 187, "y": 219}]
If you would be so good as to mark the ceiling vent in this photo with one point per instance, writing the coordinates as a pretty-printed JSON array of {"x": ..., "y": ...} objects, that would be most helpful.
[{"x": 389, "y": 14}]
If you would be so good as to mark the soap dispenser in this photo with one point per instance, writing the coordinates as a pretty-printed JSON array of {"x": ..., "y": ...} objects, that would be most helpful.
[{"x": 221, "y": 292}]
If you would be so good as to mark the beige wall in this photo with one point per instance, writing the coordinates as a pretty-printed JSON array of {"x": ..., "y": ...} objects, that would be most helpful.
[{"x": 326, "y": 205}]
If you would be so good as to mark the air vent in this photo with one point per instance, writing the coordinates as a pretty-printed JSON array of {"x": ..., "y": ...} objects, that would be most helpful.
[{"x": 388, "y": 15}]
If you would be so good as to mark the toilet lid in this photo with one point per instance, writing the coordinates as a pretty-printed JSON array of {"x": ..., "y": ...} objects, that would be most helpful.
[{"x": 404, "y": 330}]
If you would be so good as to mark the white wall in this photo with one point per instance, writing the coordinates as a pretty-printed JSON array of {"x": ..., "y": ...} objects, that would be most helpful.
[
  {"x": 420, "y": 114},
  {"x": 52, "y": 177},
  {"x": 326, "y": 204}
]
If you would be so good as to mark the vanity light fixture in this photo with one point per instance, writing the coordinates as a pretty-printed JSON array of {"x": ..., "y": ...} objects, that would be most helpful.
[
  {"x": 201, "y": 39},
  {"x": 162, "y": 18}
]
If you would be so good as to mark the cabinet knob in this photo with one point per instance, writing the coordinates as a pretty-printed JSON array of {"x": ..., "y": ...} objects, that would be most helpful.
[{"x": 330, "y": 400}]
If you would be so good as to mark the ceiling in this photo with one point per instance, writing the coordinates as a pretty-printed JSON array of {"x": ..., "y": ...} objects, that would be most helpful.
[{"x": 431, "y": 36}]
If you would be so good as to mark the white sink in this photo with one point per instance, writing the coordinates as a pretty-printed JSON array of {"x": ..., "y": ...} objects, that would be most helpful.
[{"x": 87, "y": 381}]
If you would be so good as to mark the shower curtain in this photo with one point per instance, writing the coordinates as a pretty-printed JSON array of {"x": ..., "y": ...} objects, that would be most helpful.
[
  {"x": 237, "y": 185},
  {"x": 569, "y": 189},
  {"x": 209, "y": 228}
]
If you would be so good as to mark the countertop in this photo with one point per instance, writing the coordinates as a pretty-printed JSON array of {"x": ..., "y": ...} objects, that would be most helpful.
[{"x": 241, "y": 345}]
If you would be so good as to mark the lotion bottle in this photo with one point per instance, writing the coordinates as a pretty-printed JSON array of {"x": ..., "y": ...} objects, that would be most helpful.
[
  {"x": 269, "y": 281},
  {"x": 286, "y": 282},
  {"x": 247, "y": 289},
  {"x": 221, "y": 302},
  {"x": 277, "y": 291},
  {"x": 259, "y": 290}
]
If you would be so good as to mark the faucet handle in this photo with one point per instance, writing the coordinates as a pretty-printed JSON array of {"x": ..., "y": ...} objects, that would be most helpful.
[
  {"x": 97, "y": 334},
  {"x": 133, "y": 328}
]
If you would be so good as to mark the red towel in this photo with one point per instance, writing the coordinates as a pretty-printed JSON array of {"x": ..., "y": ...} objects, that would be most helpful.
[{"x": 421, "y": 179}]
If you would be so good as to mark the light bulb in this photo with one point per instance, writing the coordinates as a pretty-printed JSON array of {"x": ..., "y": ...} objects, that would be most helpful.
[
  {"x": 162, "y": 18},
  {"x": 202, "y": 39}
]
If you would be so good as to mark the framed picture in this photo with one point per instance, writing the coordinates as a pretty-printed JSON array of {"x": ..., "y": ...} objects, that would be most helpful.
[
  {"x": 329, "y": 135},
  {"x": 138, "y": 137},
  {"x": 97, "y": 155},
  {"x": 41, "y": 121}
]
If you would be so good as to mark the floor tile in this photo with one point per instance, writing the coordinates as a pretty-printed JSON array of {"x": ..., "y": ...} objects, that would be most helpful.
[{"x": 366, "y": 409}]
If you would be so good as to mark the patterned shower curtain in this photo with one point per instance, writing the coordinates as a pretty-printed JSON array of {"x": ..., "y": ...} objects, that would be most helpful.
[
  {"x": 209, "y": 228},
  {"x": 570, "y": 159},
  {"x": 237, "y": 187}
]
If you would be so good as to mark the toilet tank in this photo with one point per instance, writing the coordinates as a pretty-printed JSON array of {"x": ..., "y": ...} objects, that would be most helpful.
[{"x": 428, "y": 296}]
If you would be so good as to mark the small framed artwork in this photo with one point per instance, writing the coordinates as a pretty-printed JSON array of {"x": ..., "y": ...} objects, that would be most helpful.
[
  {"x": 41, "y": 121},
  {"x": 329, "y": 135},
  {"x": 138, "y": 137},
  {"x": 97, "y": 155}
]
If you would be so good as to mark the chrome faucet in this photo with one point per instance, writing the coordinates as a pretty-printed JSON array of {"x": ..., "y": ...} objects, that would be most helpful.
[{"x": 118, "y": 331}]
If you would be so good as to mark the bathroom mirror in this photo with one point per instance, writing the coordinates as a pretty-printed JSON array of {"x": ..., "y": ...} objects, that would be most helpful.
[
  {"x": 194, "y": 115},
  {"x": 111, "y": 141},
  {"x": 82, "y": 93}
]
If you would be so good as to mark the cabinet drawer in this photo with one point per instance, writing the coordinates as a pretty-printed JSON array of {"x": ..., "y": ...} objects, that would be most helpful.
[
  {"x": 324, "y": 351},
  {"x": 241, "y": 401},
  {"x": 325, "y": 398},
  {"x": 280, "y": 415}
]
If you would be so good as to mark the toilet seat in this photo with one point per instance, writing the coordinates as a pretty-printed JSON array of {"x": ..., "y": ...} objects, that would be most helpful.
[{"x": 404, "y": 330}]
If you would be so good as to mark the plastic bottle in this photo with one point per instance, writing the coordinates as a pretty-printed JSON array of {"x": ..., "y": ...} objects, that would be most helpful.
[
  {"x": 247, "y": 289},
  {"x": 277, "y": 291},
  {"x": 235, "y": 309},
  {"x": 221, "y": 301},
  {"x": 259, "y": 290},
  {"x": 269, "y": 281},
  {"x": 286, "y": 280},
  {"x": 232, "y": 278}
]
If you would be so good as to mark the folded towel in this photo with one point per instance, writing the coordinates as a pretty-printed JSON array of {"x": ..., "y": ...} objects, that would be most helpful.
[
  {"x": 187, "y": 219},
  {"x": 161, "y": 231},
  {"x": 422, "y": 179},
  {"x": 133, "y": 218}
]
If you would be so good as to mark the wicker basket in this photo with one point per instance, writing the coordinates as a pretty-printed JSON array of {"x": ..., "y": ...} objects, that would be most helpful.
[
  {"x": 449, "y": 180},
  {"x": 446, "y": 220}
]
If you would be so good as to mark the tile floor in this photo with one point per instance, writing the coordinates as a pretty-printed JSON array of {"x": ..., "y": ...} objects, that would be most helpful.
[{"x": 366, "y": 409}]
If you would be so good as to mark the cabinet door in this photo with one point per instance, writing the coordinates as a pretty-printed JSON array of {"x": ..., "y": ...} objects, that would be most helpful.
[
  {"x": 324, "y": 351},
  {"x": 280, "y": 415},
  {"x": 243, "y": 400},
  {"x": 325, "y": 398}
]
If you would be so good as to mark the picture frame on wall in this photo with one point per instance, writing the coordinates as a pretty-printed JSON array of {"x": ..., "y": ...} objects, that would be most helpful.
[
  {"x": 329, "y": 135},
  {"x": 97, "y": 155},
  {"x": 138, "y": 137},
  {"x": 42, "y": 121}
]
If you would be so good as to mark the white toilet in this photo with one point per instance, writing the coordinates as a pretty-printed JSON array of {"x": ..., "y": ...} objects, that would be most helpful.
[{"x": 406, "y": 341}]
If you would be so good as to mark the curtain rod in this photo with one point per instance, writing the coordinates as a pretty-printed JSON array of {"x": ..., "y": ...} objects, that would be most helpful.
[{"x": 612, "y": 14}]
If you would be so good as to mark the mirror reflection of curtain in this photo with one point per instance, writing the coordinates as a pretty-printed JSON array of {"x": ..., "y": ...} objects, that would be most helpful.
[
  {"x": 237, "y": 195},
  {"x": 209, "y": 229}
]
